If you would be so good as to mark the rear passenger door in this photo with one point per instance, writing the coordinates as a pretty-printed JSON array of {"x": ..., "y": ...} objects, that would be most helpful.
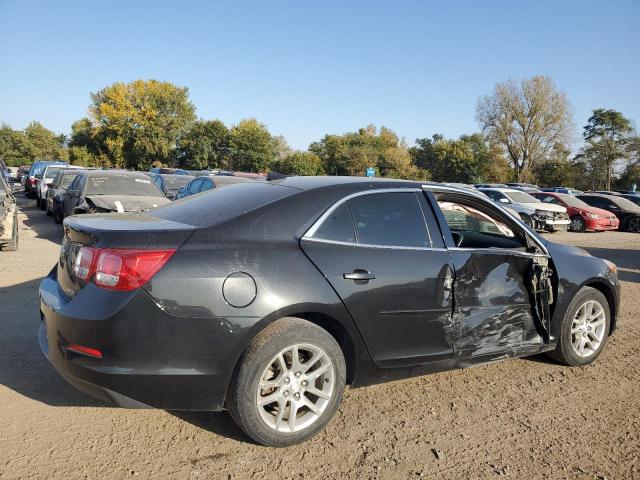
[{"x": 383, "y": 254}]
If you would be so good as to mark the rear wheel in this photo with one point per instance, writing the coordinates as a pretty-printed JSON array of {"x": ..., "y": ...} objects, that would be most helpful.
[
  {"x": 289, "y": 383},
  {"x": 584, "y": 330},
  {"x": 578, "y": 224},
  {"x": 42, "y": 203}
]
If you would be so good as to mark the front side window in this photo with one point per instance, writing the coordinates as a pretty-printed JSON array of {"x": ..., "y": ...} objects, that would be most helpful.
[{"x": 472, "y": 227}]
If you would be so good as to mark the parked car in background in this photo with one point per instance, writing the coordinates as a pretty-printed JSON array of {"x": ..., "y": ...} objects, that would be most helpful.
[
  {"x": 632, "y": 198},
  {"x": 23, "y": 170},
  {"x": 583, "y": 216},
  {"x": 490, "y": 185},
  {"x": 525, "y": 187},
  {"x": 627, "y": 212},
  {"x": 54, "y": 200},
  {"x": 48, "y": 174},
  {"x": 538, "y": 215},
  {"x": 629, "y": 192},
  {"x": 567, "y": 190},
  {"x": 35, "y": 173},
  {"x": 171, "y": 184},
  {"x": 9, "y": 232},
  {"x": 202, "y": 184},
  {"x": 96, "y": 191},
  {"x": 4, "y": 172},
  {"x": 344, "y": 280},
  {"x": 169, "y": 171}
]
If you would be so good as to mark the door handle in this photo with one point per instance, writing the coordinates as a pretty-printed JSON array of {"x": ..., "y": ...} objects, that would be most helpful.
[{"x": 359, "y": 275}]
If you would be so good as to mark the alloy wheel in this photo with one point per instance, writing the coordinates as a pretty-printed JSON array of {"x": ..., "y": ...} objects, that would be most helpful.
[
  {"x": 295, "y": 388},
  {"x": 588, "y": 328},
  {"x": 634, "y": 224},
  {"x": 577, "y": 224}
]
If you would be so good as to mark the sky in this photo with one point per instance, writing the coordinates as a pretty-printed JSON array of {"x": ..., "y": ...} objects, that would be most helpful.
[{"x": 308, "y": 68}]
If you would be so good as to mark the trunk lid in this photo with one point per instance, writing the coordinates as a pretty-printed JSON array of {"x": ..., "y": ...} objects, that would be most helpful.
[{"x": 127, "y": 230}]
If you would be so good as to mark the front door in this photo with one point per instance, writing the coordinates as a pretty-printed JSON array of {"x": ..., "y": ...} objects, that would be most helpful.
[
  {"x": 391, "y": 272},
  {"x": 498, "y": 309}
]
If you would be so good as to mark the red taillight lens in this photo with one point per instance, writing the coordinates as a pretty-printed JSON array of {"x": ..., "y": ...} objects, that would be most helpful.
[
  {"x": 119, "y": 269},
  {"x": 85, "y": 259},
  {"x": 32, "y": 181}
]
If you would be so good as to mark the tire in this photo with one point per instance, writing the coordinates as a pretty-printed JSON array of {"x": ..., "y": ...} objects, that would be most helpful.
[
  {"x": 47, "y": 209},
  {"x": 272, "y": 346},
  {"x": 42, "y": 204},
  {"x": 57, "y": 216},
  {"x": 37, "y": 201},
  {"x": 633, "y": 224},
  {"x": 597, "y": 328},
  {"x": 577, "y": 224}
]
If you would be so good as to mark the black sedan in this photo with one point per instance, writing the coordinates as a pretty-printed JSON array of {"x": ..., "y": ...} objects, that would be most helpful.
[
  {"x": 171, "y": 184},
  {"x": 627, "y": 212},
  {"x": 267, "y": 298},
  {"x": 54, "y": 200},
  {"x": 98, "y": 191}
]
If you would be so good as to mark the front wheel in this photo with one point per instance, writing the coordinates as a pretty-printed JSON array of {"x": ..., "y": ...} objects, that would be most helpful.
[
  {"x": 584, "y": 330},
  {"x": 289, "y": 383},
  {"x": 578, "y": 224}
]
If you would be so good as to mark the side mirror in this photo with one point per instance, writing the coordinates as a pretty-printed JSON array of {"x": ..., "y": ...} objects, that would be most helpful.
[{"x": 503, "y": 200}]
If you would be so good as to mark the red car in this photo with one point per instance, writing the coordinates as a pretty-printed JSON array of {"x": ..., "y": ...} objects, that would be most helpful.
[{"x": 583, "y": 216}]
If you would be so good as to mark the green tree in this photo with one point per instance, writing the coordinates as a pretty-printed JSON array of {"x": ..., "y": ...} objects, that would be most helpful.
[
  {"x": 606, "y": 134},
  {"x": 139, "y": 122},
  {"x": 465, "y": 160},
  {"x": 298, "y": 163},
  {"x": 527, "y": 119},
  {"x": 44, "y": 144},
  {"x": 203, "y": 146},
  {"x": 354, "y": 152},
  {"x": 15, "y": 148},
  {"x": 251, "y": 146}
]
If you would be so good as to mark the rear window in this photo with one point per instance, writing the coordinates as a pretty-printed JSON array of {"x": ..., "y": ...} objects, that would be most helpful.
[
  {"x": 521, "y": 197},
  {"x": 121, "y": 185},
  {"x": 52, "y": 172},
  {"x": 176, "y": 183},
  {"x": 222, "y": 204},
  {"x": 66, "y": 179}
]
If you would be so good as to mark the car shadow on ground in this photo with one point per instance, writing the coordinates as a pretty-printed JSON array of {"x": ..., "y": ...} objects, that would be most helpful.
[
  {"x": 219, "y": 423},
  {"x": 625, "y": 259},
  {"x": 43, "y": 225}
]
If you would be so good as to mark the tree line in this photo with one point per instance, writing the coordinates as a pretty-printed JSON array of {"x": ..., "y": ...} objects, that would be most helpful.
[{"x": 525, "y": 133}]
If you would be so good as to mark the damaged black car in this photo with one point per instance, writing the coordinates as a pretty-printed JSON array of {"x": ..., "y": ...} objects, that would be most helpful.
[
  {"x": 268, "y": 298},
  {"x": 102, "y": 191}
]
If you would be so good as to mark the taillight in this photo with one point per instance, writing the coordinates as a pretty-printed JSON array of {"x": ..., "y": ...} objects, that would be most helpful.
[
  {"x": 33, "y": 181},
  {"x": 85, "y": 260},
  {"x": 119, "y": 269}
]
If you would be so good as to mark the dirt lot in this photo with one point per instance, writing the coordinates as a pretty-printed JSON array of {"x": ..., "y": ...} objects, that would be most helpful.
[{"x": 525, "y": 418}]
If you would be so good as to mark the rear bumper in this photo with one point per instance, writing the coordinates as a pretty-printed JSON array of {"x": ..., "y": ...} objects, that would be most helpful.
[{"x": 150, "y": 358}]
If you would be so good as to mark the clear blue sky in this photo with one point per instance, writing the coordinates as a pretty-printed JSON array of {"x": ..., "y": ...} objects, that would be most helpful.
[{"x": 306, "y": 68}]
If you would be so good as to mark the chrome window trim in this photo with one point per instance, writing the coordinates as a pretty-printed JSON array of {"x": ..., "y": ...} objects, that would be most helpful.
[
  {"x": 368, "y": 245},
  {"x": 487, "y": 200},
  {"x": 316, "y": 225}
]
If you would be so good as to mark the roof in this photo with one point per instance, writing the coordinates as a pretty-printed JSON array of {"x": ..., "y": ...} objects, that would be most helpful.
[
  {"x": 116, "y": 173},
  {"x": 502, "y": 189},
  {"x": 310, "y": 183}
]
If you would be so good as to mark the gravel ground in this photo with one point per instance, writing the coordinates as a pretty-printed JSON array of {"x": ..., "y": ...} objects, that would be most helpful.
[{"x": 525, "y": 418}]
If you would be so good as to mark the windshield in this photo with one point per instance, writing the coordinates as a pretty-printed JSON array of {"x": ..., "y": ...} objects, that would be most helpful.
[
  {"x": 121, "y": 185},
  {"x": 625, "y": 204},
  {"x": 573, "y": 201},
  {"x": 176, "y": 183},
  {"x": 521, "y": 197}
]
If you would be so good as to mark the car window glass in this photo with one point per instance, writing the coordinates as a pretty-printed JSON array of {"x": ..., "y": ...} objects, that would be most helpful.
[
  {"x": 391, "y": 219},
  {"x": 465, "y": 218},
  {"x": 206, "y": 185},
  {"x": 338, "y": 226},
  {"x": 194, "y": 187}
]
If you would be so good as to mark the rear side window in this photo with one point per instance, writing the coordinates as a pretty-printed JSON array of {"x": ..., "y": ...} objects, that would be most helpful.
[{"x": 338, "y": 227}]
